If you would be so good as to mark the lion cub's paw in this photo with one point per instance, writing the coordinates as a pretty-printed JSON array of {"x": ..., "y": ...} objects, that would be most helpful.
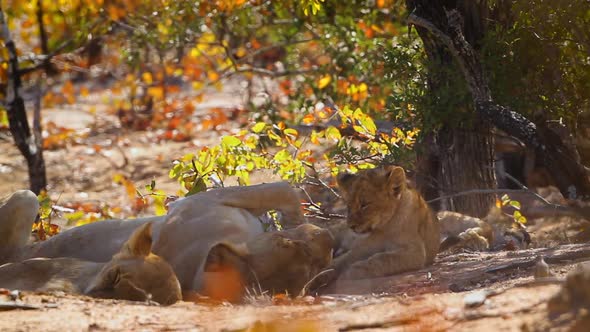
[{"x": 472, "y": 240}]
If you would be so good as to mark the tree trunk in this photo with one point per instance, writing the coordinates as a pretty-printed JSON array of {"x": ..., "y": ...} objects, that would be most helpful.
[
  {"x": 551, "y": 149},
  {"x": 467, "y": 164},
  {"x": 459, "y": 155},
  {"x": 29, "y": 147}
]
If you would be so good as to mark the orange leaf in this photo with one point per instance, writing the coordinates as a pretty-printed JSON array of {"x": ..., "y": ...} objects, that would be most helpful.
[
  {"x": 308, "y": 119},
  {"x": 156, "y": 91},
  {"x": 212, "y": 75},
  {"x": 68, "y": 88}
]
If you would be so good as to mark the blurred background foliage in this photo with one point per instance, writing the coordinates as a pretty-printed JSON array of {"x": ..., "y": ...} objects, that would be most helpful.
[{"x": 347, "y": 69}]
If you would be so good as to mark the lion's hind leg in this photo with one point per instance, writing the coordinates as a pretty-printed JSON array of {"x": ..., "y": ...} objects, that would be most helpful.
[
  {"x": 17, "y": 214},
  {"x": 258, "y": 199}
]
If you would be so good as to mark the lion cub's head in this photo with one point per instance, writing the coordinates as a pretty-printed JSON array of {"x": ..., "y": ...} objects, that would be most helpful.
[
  {"x": 135, "y": 273},
  {"x": 372, "y": 196},
  {"x": 276, "y": 262}
]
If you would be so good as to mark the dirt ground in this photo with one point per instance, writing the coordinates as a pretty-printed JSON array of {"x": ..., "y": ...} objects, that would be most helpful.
[{"x": 461, "y": 292}]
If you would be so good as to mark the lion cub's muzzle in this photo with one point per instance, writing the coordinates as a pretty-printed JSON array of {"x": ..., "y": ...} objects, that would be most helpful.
[{"x": 359, "y": 228}]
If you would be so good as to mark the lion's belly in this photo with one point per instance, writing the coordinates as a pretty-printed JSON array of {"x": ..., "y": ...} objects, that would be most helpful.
[{"x": 189, "y": 232}]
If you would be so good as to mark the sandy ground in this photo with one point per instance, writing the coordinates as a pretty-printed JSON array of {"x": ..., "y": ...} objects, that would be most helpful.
[{"x": 439, "y": 298}]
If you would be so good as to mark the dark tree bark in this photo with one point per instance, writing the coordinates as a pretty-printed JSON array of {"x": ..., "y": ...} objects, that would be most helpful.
[
  {"x": 459, "y": 155},
  {"x": 47, "y": 66},
  {"x": 448, "y": 32},
  {"x": 17, "y": 117}
]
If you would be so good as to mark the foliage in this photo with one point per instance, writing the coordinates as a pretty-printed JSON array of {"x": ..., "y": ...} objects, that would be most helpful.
[
  {"x": 43, "y": 228},
  {"x": 351, "y": 71},
  {"x": 286, "y": 153},
  {"x": 506, "y": 201},
  {"x": 538, "y": 58}
]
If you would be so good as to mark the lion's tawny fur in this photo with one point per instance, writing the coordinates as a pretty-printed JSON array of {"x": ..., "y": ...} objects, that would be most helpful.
[{"x": 401, "y": 232}]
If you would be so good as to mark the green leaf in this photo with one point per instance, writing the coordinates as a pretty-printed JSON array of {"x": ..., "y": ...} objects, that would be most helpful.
[
  {"x": 291, "y": 132},
  {"x": 333, "y": 133},
  {"x": 151, "y": 186},
  {"x": 368, "y": 124},
  {"x": 73, "y": 217},
  {"x": 259, "y": 127},
  {"x": 198, "y": 186},
  {"x": 515, "y": 204},
  {"x": 230, "y": 141}
]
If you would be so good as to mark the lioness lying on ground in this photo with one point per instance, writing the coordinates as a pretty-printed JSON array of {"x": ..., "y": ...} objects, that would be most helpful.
[
  {"x": 184, "y": 237},
  {"x": 281, "y": 261},
  {"x": 134, "y": 273},
  {"x": 400, "y": 232}
]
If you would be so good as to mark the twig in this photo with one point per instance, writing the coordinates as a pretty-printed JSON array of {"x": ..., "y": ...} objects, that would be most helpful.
[
  {"x": 323, "y": 214},
  {"x": 482, "y": 191},
  {"x": 305, "y": 288},
  {"x": 541, "y": 198},
  {"x": 4, "y": 306}
]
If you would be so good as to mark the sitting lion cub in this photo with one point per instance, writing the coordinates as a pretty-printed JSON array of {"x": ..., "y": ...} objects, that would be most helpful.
[
  {"x": 134, "y": 273},
  {"x": 401, "y": 232}
]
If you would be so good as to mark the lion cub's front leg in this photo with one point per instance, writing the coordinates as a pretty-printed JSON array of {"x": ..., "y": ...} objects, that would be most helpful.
[{"x": 401, "y": 259}]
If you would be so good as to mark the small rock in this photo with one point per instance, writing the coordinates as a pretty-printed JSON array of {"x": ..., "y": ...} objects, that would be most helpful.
[
  {"x": 541, "y": 268},
  {"x": 475, "y": 299}
]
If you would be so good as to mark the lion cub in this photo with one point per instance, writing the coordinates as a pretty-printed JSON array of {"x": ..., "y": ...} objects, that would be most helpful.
[
  {"x": 496, "y": 231},
  {"x": 134, "y": 273},
  {"x": 400, "y": 231}
]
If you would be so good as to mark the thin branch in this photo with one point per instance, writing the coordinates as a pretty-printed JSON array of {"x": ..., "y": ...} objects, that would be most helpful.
[
  {"x": 322, "y": 214},
  {"x": 490, "y": 191},
  {"x": 274, "y": 74},
  {"x": 46, "y": 58},
  {"x": 541, "y": 198}
]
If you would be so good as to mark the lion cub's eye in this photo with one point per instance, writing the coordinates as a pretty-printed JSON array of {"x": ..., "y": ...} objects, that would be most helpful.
[
  {"x": 364, "y": 206},
  {"x": 117, "y": 277}
]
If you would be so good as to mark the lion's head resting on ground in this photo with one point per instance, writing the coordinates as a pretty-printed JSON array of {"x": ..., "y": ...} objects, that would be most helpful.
[
  {"x": 373, "y": 196},
  {"x": 134, "y": 272},
  {"x": 276, "y": 262}
]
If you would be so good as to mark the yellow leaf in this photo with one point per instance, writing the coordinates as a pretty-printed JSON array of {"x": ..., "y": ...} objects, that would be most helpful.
[
  {"x": 324, "y": 81},
  {"x": 147, "y": 78},
  {"x": 315, "y": 137},
  {"x": 257, "y": 128},
  {"x": 194, "y": 53},
  {"x": 156, "y": 91},
  {"x": 230, "y": 141},
  {"x": 240, "y": 52},
  {"x": 197, "y": 85},
  {"x": 333, "y": 133},
  {"x": 291, "y": 132}
]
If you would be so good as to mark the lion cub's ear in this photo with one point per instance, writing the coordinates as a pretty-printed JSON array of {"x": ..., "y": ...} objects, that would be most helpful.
[
  {"x": 395, "y": 177},
  {"x": 139, "y": 243},
  {"x": 223, "y": 255},
  {"x": 344, "y": 181}
]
